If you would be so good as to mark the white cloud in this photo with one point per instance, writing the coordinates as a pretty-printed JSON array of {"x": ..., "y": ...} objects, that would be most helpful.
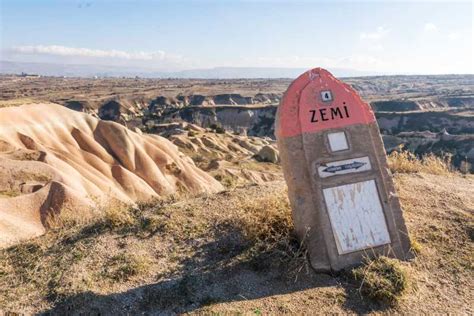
[
  {"x": 64, "y": 51},
  {"x": 454, "y": 36},
  {"x": 378, "y": 34},
  {"x": 356, "y": 62},
  {"x": 430, "y": 27},
  {"x": 376, "y": 48}
]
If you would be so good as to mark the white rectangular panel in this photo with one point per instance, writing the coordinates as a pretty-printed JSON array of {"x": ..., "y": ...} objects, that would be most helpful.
[
  {"x": 344, "y": 166},
  {"x": 337, "y": 141},
  {"x": 356, "y": 216}
]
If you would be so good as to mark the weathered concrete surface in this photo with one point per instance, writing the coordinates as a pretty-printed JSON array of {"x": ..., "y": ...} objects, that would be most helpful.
[{"x": 302, "y": 129}]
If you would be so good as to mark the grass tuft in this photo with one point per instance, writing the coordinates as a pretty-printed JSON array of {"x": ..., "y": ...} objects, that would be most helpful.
[
  {"x": 226, "y": 180},
  {"x": 267, "y": 220},
  {"x": 124, "y": 266},
  {"x": 10, "y": 193},
  {"x": 407, "y": 162},
  {"x": 119, "y": 215},
  {"x": 267, "y": 229},
  {"x": 382, "y": 279}
]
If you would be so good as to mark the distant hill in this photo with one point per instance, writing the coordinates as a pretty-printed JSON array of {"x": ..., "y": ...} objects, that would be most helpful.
[
  {"x": 82, "y": 70},
  {"x": 263, "y": 72}
]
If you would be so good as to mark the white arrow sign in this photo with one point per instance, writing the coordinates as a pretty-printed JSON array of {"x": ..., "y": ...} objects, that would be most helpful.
[{"x": 344, "y": 167}]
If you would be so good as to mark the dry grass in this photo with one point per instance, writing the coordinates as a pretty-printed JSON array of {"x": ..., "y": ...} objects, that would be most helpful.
[
  {"x": 382, "y": 279},
  {"x": 227, "y": 180},
  {"x": 266, "y": 226},
  {"x": 113, "y": 214},
  {"x": 267, "y": 220},
  {"x": 124, "y": 266},
  {"x": 119, "y": 215},
  {"x": 116, "y": 246},
  {"x": 407, "y": 162},
  {"x": 10, "y": 193},
  {"x": 201, "y": 254},
  {"x": 74, "y": 255},
  {"x": 18, "y": 102},
  {"x": 415, "y": 246}
]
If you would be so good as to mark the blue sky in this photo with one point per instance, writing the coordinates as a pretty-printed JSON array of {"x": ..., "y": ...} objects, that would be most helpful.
[{"x": 382, "y": 36}]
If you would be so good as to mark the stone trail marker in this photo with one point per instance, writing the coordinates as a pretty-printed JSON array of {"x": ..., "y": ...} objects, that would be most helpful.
[{"x": 341, "y": 192}]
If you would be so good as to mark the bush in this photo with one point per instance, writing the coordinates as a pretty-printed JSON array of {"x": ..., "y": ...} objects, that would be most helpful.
[
  {"x": 217, "y": 129},
  {"x": 407, "y": 162},
  {"x": 118, "y": 216},
  {"x": 382, "y": 279}
]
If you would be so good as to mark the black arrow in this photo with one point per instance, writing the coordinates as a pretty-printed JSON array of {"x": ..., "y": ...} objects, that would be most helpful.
[{"x": 348, "y": 166}]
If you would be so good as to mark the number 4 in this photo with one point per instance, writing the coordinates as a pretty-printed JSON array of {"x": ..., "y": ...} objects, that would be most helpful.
[{"x": 326, "y": 96}]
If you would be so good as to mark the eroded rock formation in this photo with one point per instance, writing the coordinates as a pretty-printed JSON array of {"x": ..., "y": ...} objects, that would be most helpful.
[{"x": 53, "y": 158}]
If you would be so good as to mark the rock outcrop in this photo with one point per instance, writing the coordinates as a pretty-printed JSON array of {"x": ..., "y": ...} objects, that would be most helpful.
[
  {"x": 434, "y": 121},
  {"x": 253, "y": 121},
  {"x": 268, "y": 154},
  {"x": 397, "y": 105},
  {"x": 160, "y": 103},
  {"x": 110, "y": 111},
  {"x": 232, "y": 159}
]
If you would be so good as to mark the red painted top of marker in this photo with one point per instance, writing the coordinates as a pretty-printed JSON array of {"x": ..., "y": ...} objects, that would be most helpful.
[{"x": 317, "y": 101}]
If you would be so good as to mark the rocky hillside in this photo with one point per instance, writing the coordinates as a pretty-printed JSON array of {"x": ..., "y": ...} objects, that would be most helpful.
[
  {"x": 454, "y": 122},
  {"x": 401, "y": 105},
  {"x": 422, "y": 132},
  {"x": 232, "y": 159},
  {"x": 67, "y": 160}
]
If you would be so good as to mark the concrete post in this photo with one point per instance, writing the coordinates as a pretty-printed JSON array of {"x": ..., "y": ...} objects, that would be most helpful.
[{"x": 341, "y": 192}]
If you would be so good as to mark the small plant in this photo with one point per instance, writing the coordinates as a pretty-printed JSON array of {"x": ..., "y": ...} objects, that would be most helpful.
[
  {"x": 191, "y": 133},
  {"x": 125, "y": 266},
  {"x": 217, "y": 129},
  {"x": 152, "y": 224},
  {"x": 415, "y": 246},
  {"x": 9, "y": 193},
  {"x": 227, "y": 180},
  {"x": 116, "y": 216},
  {"x": 382, "y": 279}
]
